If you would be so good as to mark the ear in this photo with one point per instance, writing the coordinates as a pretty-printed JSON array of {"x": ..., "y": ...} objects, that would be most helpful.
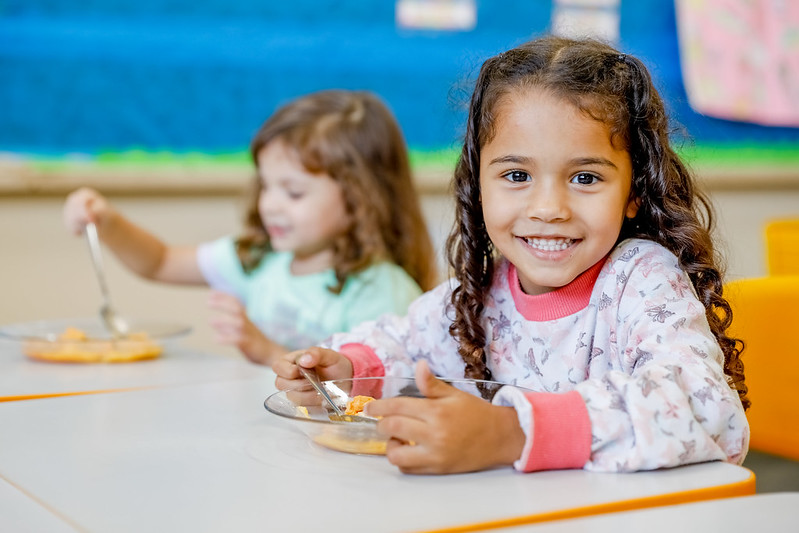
[{"x": 632, "y": 207}]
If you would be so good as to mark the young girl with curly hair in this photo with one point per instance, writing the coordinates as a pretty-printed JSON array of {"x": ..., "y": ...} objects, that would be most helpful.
[
  {"x": 584, "y": 273},
  {"x": 333, "y": 236}
]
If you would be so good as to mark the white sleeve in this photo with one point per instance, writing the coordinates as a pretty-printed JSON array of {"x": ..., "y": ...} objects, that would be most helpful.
[
  {"x": 400, "y": 341},
  {"x": 669, "y": 403}
]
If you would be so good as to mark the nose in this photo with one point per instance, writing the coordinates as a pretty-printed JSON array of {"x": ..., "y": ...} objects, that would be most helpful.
[{"x": 548, "y": 202}]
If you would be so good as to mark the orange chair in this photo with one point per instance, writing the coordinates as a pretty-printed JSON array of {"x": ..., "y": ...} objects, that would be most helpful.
[
  {"x": 782, "y": 247},
  {"x": 766, "y": 317}
]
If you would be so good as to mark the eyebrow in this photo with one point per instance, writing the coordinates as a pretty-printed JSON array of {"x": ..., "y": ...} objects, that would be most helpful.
[
  {"x": 580, "y": 161},
  {"x": 510, "y": 158}
]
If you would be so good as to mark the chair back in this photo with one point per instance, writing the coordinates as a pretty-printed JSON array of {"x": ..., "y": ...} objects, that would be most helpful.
[
  {"x": 782, "y": 247},
  {"x": 766, "y": 318}
]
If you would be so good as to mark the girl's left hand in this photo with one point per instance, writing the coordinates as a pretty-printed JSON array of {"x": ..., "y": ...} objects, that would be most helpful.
[
  {"x": 448, "y": 431},
  {"x": 234, "y": 328}
]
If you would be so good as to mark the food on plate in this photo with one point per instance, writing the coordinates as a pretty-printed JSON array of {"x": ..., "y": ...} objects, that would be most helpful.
[{"x": 74, "y": 346}]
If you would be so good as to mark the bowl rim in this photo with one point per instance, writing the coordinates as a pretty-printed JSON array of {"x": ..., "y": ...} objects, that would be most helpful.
[
  {"x": 17, "y": 331},
  {"x": 375, "y": 378}
]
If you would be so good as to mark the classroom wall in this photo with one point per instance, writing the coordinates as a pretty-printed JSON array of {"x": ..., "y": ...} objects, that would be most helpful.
[
  {"x": 103, "y": 76},
  {"x": 46, "y": 273}
]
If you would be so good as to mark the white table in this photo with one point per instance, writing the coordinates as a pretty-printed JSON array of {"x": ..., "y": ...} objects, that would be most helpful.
[
  {"x": 25, "y": 378},
  {"x": 776, "y": 512},
  {"x": 21, "y": 514},
  {"x": 209, "y": 457}
]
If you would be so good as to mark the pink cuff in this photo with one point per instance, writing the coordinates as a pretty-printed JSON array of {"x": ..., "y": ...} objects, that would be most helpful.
[
  {"x": 561, "y": 435},
  {"x": 365, "y": 363}
]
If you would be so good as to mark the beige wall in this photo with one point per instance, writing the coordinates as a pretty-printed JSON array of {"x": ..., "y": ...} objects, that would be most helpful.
[{"x": 46, "y": 273}]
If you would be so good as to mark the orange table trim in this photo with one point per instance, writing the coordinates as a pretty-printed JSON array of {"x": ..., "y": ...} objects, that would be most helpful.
[
  {"x": 740, "y": 488},
  {"x": 59, "y": 394}
]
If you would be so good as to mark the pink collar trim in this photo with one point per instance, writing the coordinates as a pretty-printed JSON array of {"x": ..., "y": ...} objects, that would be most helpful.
[{"x": 559, "y": 303}]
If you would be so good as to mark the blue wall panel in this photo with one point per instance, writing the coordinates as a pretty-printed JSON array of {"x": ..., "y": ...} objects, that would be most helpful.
[{"x": 95, "y": 76}]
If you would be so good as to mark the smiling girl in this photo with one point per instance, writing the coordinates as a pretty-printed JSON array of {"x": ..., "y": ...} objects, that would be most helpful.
[
  {"x": 333, "y": 234},
  {"x": 584, "y": 271}
]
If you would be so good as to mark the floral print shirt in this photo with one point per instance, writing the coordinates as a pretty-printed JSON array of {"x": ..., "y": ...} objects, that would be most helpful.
[{"x": 628, "y": 340}]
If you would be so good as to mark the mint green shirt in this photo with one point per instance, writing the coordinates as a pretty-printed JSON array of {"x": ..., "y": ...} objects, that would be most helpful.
[{"x": 300, "y": 311}]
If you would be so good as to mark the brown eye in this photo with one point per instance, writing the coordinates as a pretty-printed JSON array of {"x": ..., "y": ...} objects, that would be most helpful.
[
  {"x": 517, "y": 176},
  {"x": 583, "y": 178}
]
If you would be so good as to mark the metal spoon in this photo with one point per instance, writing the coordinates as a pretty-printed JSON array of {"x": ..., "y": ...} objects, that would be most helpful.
[
  {"x": 115, "y": 325},
  {"x": 338, "y": 416}
]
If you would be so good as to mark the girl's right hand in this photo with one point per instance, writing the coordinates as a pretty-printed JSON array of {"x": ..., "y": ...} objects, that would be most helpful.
[
  {"x": 329, "y": 364},
  {"x": 83, "y": 206}
]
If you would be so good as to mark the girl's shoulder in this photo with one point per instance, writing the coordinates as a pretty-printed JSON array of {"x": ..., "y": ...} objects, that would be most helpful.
[
  {"x": 381, "y": 277},
  {"x": 632, "y": 254},
  {"x": 641, "y": 266}
]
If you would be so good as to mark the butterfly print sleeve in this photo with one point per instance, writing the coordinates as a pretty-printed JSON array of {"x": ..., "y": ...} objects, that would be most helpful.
[
  {"x": 664, "y": 400},
  {"x": 398, "y": 342}
]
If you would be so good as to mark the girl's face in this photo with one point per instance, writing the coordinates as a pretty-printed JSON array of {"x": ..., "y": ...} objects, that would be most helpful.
[
  {"x": 554, "y": 190},
  {"x": 302, "y": 212}
]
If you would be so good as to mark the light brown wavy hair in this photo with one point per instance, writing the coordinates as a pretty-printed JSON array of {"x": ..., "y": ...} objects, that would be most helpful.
[
  {"x": 617, "y": 90},
  {"x": 352, "y": 137}
]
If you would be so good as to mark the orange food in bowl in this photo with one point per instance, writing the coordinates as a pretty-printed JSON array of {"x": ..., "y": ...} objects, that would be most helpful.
[
  {"x": 343, "y": 439},
  {"x": 355, "y": 405}
]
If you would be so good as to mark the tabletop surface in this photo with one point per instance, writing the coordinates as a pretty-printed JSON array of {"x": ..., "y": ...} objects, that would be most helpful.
[
  {"x": 209, "y": 457},
  {"x": 776, "y": 512},
  {"x": 21, "y": 376},
  {"x": 22, "y": 514}
]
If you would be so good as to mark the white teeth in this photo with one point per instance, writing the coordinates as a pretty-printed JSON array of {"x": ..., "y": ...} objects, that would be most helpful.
[{"x": 549, "y": 245}]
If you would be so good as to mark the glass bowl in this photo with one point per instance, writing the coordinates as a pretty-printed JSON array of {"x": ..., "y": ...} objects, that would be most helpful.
[
  {"x": 85, "y": 340},
  {"x": 310, "y": 413}
]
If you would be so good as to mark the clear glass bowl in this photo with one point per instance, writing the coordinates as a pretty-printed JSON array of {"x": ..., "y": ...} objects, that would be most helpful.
[
  {"x": 85, "y": 340},
  {"x": 309, "y": 412}
]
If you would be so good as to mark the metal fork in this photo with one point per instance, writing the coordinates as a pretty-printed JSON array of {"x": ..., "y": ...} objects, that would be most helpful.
[
  {"x": 338, "y": 415},
  {"x": 115, "y": 325}
]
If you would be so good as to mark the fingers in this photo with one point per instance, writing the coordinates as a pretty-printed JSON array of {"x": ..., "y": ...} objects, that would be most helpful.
[
  {"x": 429, "y": 385},
  {"x": 319, "y": 358},
  {"x": 288, "y": 375},
  {"x": 224, "y": 302},
  {"x": 329, "y": 364},
  {"x": 410, "y": 458},
  {"x": 231, "y": 324},
  {"x": 399, "y": 406},
  {"x": 83, "y": 206}
]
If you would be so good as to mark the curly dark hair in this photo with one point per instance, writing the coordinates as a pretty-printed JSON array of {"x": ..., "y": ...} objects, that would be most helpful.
[
  {"x": 617, "y": 90},
  {"x": 352, "y": 137}
]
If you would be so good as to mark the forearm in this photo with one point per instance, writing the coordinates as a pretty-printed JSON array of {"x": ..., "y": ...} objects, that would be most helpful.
[
  {"x": 139, "y": 250},
  {"x": 147, "y": 255}
]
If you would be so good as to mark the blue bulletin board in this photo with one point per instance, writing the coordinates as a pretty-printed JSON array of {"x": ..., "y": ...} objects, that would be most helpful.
[{"x": 175, "y": 76}]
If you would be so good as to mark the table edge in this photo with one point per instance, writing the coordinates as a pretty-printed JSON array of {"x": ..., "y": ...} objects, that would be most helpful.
[{"x": 745, "y": 487}]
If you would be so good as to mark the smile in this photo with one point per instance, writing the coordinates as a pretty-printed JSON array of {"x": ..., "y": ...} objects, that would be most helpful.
[{"x": 549, "y": 245}]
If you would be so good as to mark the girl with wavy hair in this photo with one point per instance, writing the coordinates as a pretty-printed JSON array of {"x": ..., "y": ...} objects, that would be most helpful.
[
  {"x": 334, "y": 233},
  {"x": 584, "y": 274}
]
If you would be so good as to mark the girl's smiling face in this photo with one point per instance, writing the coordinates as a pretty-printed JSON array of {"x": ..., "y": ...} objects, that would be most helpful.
[
  {"x": 302, "y": 212},
  {"x": 554, "y": 189}
]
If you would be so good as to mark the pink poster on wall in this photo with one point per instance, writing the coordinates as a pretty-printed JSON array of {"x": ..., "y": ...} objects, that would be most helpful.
[{"x": 740, "y": 59}]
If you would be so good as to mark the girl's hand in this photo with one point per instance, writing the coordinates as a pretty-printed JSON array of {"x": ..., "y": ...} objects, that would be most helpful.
[
  {"x": 448, "y": 431},
  {"x": 83, "y": 206},
  {"x": 234, "y": 328},
  {"x": 329, "y": 364}
]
